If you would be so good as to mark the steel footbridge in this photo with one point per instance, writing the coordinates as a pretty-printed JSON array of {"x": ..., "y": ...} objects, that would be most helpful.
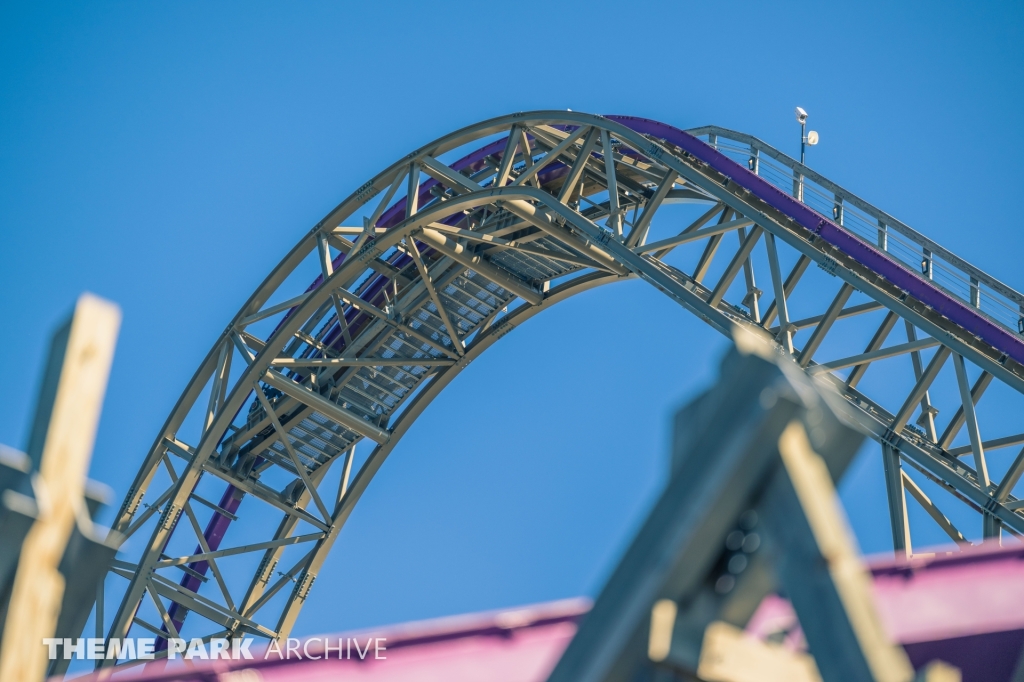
[{"x": 311, "y": 386}]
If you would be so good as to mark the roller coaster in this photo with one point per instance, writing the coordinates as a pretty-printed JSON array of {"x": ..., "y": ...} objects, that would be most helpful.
[{"x": 424, "y": 267}]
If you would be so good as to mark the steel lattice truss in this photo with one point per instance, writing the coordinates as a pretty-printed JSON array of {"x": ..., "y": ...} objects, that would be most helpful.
[{"x": 447, "y": 256}]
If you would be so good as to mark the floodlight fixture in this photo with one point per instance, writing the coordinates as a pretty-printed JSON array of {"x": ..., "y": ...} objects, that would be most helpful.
[{"x": 805, "y": 137}]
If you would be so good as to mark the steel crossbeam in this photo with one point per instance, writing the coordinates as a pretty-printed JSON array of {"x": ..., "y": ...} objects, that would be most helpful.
[{"x": 453, "y": 255}]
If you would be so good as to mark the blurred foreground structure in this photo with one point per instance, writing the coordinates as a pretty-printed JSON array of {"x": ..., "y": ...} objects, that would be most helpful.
[
  {"x": 962, "y": 607},
  {"x": 750, "y": 508},
  {"x": 422, "y": 284},
  {"x": 381, "y": 305},
  {"x": 749, "y": 511},
  {"x": 52, "y": 558}
]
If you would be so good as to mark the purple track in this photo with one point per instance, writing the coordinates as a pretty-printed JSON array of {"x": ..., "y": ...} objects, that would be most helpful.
[{"x": 862, "y": 252}]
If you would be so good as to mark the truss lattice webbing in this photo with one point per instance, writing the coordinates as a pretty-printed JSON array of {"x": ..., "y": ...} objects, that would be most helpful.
[{"x": 448, "y": 250}]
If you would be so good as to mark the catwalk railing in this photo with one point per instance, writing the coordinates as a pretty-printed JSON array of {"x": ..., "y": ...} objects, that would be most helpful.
[
  {"x": 452, "y": 247},
  {"x": 970, "y": 284}
]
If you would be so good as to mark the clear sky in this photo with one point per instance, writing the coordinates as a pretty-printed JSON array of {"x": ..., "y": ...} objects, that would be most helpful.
[{"x": 167, "y": 155}]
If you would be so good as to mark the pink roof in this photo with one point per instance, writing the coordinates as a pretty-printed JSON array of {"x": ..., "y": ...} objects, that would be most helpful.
[
  {"x": 964, "y": 607},
  {"x": 516, "y": 645}
]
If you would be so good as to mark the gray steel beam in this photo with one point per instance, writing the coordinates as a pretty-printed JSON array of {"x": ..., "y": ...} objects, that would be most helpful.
[
  {"x": 944, "y": 523},
  {"x": 501, "y": 277},
  {"x": 363, "y": 362},
  {"x": 696, "y": 225},
  {"x": 864, "y": 359},
  {"x": 579, "y": 166},
  {"x": 927, "y": 418},
  {"x": 326, "y": 407},
  {"x": 710, "y": 250},
  {"x": 972, "y": 420},
  {"x": 638, "y": 235},
  {"x": 1011, "y": 477},
  {"x": 733, "y": 269},
  {"x": 876, "y": 342},
  {"x": 790, "y": 284},
  {"x": 851, "y": 311},
  {"x": 899, "y": 521},
  {"x": 957, "y": 422},
  {"x": 453, "y": 332},
  {"x": 831, "y": 315},
  {"x": 232, "y": 551},
  {"x": 517, "y": 245},
  {"x": 779, "y": 305},
  {"x": 919, "y": 390},
  {"x": 753, "y": 293},
  {"x": 614, "y": 216},
  {"x": 694, "y": 236}
]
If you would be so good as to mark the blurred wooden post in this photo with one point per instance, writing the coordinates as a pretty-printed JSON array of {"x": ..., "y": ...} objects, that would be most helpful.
[
  {"x": 743, "y": 460},
  {"x": 818, "y": 566},
  {"x": 60, "y": 445}
]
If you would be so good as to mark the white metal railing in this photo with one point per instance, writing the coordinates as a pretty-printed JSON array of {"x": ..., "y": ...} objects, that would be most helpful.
[{"x": 997, "y": 301}]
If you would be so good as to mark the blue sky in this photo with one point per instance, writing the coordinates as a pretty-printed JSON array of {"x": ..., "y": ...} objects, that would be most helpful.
[{"x": 166, "y": 156}]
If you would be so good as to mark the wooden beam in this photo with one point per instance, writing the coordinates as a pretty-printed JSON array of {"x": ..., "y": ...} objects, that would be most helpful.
[
  {"x": 731, "y": 655},
  {"x": 819, "y": 569},
  {"x": 60, "y": 445}
]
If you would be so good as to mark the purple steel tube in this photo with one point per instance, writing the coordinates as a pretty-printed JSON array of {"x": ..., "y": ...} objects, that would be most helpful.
[
  {"x": 860, "y": 251},
  {"x": 863, "y": 253}
]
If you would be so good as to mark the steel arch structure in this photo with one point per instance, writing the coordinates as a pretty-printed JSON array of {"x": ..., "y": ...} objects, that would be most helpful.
[{"x": 449, "y": 249}]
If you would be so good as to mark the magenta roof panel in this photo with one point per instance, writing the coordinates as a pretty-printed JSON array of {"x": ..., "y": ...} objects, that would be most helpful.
[
  {"x": 515, "y": 645},
  {"x": 964, "y": 607}
]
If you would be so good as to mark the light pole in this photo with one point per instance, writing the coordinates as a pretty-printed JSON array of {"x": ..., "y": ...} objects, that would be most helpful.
[{"x": 806, "y": 138}]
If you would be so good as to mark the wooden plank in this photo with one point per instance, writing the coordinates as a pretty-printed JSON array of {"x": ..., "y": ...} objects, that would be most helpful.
[
  {"x": 731, "y": 655},
  {"x": 60, "y": 445},
  {"x": 820, "y": 570},
  {"x": 677, "y": 546}
]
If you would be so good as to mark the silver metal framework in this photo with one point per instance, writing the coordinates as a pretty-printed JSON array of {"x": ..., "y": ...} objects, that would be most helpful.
[{"x": 446, "y": 254}]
